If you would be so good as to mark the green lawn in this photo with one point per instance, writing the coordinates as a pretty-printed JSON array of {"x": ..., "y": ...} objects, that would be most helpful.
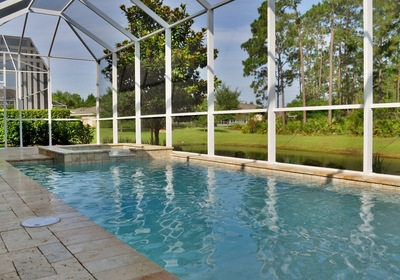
[{"x": 231, "y": 139}]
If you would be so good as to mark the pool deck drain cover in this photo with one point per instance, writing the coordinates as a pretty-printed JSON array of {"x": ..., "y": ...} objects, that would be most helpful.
[{"x": 40, "y": 221}]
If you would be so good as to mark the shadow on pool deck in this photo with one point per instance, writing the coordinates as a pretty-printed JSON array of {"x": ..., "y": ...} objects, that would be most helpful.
[{"x": 74, "y": 248}]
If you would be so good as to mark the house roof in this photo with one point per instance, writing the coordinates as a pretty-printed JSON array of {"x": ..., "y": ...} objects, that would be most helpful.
[
  {"x": 84, "y": 111},
  {"x": 247, "y": 106}
]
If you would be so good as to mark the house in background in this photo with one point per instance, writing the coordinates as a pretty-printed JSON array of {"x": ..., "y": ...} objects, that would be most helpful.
[
  {"x": 33, "y": 72},
  {"x": 87, "y": 115}
]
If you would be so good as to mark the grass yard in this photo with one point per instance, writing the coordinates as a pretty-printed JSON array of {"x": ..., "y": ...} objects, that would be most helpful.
[{"x": 229, "y": 139}]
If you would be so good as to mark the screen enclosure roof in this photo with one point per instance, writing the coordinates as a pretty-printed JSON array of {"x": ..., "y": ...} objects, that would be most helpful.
[{"x": 83, "y": 29}]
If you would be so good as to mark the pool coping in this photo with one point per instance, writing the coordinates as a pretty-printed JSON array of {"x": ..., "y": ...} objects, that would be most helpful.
[
  {"x": 74, "y": 248},
  {"x": 320, "y": 174}
]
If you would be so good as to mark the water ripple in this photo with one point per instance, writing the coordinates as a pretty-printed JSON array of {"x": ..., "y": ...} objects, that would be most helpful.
[{"x": 209, "y": 223}]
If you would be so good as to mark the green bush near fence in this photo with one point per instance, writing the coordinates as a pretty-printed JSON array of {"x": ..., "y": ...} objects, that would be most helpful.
[{"x": 36, "y": 132}]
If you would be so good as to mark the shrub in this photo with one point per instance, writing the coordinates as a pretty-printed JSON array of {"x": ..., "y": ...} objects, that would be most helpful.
[
  {"x": 236, "y": 126},
  {"x": 36, "y": 132}
]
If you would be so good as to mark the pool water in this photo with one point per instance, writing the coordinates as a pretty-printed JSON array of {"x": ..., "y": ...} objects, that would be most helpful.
[{"x": 209, "y": 223}]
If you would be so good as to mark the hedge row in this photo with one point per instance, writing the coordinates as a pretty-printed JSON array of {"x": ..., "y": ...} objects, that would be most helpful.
[{"x": 36, "y": 132}]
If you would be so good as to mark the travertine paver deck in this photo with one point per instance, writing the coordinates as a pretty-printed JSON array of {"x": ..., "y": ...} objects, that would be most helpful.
[{"x": 74, "y": 248}]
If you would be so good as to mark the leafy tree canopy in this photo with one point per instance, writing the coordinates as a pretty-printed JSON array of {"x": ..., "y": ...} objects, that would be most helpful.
[
  {"x": 226, "y": 98},
  {"x": 327, "y": 40},
  {"x": 189, "y": 55},
  {"x": 74, "y": 100}
]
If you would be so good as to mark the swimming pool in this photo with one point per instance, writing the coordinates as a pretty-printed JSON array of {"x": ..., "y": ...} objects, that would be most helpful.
[{"x": 210, "y": 223}]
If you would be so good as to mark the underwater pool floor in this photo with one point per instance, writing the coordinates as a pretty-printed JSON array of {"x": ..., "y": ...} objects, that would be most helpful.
[{"x": 76, "y": 248}]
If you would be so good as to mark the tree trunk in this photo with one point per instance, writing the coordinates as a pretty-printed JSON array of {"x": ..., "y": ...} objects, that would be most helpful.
[
  {"x": 157, "y": 128},
  {"x": 398, "y": 85},
  {"x": 380, "y": 75},
  {"x": 339, "y": 81},
  {"x": 302, "y": 74},
  {"x": 331, "y": 67}
]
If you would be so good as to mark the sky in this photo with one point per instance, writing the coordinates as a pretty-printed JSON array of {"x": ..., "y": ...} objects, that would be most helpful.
[{"x": 232, "y": 28}]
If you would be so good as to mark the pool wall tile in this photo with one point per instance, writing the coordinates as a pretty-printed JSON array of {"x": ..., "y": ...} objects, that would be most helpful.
[{"x": 84, "y": 154}]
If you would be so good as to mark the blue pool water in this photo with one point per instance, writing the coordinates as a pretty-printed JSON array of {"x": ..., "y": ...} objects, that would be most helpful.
[{"x": 209, "y": 223}]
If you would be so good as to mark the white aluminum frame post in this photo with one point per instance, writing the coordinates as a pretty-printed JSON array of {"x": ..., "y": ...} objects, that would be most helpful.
[
  {"x": 49, "y": 101},
  {"x": 138, "y": 82},
  {"x": 115, "y": 97},
  {"x": 210, "y": 84},
  {"x": 368, "y": 86},
  {"x": 4, "y": 89},
  {"x": 168, "y": 86},
  {"x": 271, "y": 83}
]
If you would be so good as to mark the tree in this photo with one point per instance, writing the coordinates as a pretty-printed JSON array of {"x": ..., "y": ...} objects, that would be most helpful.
[
  {"x": 226, "y": 99},
  {"x": 256, "y": 47},
  {"x": 90, "y": 101},
  {"x": 386, "y": 51},
  {"x": 71, "y": 100},
  {"x": 189, "y": 55}
]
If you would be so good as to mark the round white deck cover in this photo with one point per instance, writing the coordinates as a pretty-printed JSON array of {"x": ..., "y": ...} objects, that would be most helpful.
[{"x": 40, "y": 221}]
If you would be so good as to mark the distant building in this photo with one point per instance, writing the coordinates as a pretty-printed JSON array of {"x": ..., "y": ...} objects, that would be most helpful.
[
  {"x": 87, "y": 114},
  {"x": 33, "y": 69}
]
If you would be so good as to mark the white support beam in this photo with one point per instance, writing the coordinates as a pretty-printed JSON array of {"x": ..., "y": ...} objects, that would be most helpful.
[
  {"x": 49, "y": 100},
  {"x": 112, "y": 22},
  {"x": 9, "y": 3},
  {"x": 150, "y": 13},
  {"x": 205, "y": 4},
  {"x": 138, "y": 85},
  {"x": 45, "y": 11},
  {"x": 115, "y": 97},
  {"x": 4, "y": 82},
  {"x": 368, "y": 86},
  {"x": 74, "y": 24},
  {"x": 210, "y": 84},
  {"x": 13, "y": 16},
  {"x": 98, "y": 74},
  {"x": 19, "y": 100},
  {"x": 53, "y": 38},
  {"x": 271, "y": 82},
  {"x": 168, "y": 86}
]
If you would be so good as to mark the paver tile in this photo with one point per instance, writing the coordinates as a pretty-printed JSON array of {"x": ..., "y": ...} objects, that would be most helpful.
[
  {"x": 4, "y": 186},
  {"x": 121, "y": 261},
  {"x": 3, "y": 248},
  {"x": 12, "y": 198},
  {"x": 55, "y": 252},
  {"x": 71, "y": 224},
  {"x": 93, "y": 245},
  {"x": 13, "y": 238},
  {"x": 10, "y": 225},
  {"x": 104, "y": 252},
  {"x": 163, "y": 275},
  {"x": 82, "y": 235},
  {"x": 39, "y": 232},
  {"x": 7, "y": 215},
  {"x": 69, "y": 269},
  {"x": 9, "y": 276},
  {"x": 31, "y": 264},
  {"x": 130, "y": 271},
  {"x": 19, "y": 239},
  {"x": 6, "y": 265},
  {"x": 22, "y": 210}
]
